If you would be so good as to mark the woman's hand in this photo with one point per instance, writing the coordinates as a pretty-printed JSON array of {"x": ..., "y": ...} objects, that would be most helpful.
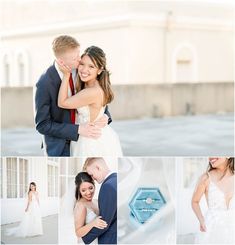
[
  {"x": 99, "y": 223},
  {"x": 202, "y": 226},
  {"x": 64, "y": 68},
  {"x": 63, "y": 92}
]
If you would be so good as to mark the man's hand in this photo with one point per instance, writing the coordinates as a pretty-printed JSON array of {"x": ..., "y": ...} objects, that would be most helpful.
[
  {"x": 89, "y": 130},
  {"x": 102, "y": 122}
]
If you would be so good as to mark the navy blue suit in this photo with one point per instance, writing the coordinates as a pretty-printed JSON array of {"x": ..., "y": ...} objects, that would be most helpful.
[
  {"x": 107, "y": 201},
  {"x": 52, "y": 122}
]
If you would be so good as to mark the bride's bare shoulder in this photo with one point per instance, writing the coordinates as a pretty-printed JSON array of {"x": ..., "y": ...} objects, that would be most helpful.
[
  {"x": 80, "y": 205},
  {"x": 203, "y": 179},
  {"x": 80, "y": 209}
]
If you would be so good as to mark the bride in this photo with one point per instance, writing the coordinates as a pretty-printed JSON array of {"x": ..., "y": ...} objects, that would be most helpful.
[
  {"x": 217, "y": 184},
  {"x": 31, "y": 224},
  {"x": 86, "y": 212},
  {"x": 93, "y": 94}
]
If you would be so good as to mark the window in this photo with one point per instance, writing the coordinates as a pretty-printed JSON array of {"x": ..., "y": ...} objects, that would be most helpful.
[
  {"x": 21, "y": 67},
  {"x": 11, "y": 166},
  {"x": 21, "y": 63},
  {"x": 52, "y": 180},
  {"x": 16, "y": 177},
  {"x": 68, "y": 170},
  {"x": 56, "y": 181},
  {"x": 184, "y": 64},
  {"x": 23, "y": 174},
  {"x": 6, "y": 70}
]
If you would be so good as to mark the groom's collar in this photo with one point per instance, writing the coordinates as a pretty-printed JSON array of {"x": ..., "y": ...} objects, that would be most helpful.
[
  {"x": 106, "y": 177},
  {"x": 58, "y": 70}
]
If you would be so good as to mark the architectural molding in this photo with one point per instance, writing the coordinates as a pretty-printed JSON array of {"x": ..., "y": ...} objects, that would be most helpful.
[{"x": 161, "y": 20}]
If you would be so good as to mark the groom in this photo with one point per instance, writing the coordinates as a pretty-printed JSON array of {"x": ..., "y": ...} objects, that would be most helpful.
[
  {"x": 107, "y": 201},
  {"x": 58, "y": 125}
]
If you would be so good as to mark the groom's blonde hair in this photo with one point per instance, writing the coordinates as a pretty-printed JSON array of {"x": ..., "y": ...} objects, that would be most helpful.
[
  {"x": 63, "y": 43},
  {"x": 90, "y": 160}
]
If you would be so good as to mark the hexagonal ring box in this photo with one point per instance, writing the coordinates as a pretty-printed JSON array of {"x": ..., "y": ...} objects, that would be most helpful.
[{"x": 146, "y": 202}]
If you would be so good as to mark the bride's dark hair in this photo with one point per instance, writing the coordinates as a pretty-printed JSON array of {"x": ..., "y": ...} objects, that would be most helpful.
[
  {"x": 98, "y": 57},
  {"x": 230, "y": 166},
  {"x": 32, "y": 183},
  {"x": 79, "y": 179}
]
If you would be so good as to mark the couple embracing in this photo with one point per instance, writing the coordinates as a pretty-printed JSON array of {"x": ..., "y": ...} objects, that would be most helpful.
[
  {"x": 71, "y": 103},
  {"x": 96, "y": 222}
]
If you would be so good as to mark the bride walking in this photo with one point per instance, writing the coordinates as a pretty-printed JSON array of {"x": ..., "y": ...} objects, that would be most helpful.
[
  {"x": 31, "y": 224},
  {"x": 217, "y": 184},
  {"x": 86, "y": 211},
  {"x": 93, "y": 94}
]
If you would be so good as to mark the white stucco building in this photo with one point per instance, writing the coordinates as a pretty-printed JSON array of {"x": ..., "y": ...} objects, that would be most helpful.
[
  {"x": 145, "y": 41},
  {"x": 167, "y": 58}
]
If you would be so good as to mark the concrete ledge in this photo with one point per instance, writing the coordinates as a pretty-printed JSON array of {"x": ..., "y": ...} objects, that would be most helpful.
[
  {"x": 133, "y": 101},
  {"x": 161, "y": 100}
]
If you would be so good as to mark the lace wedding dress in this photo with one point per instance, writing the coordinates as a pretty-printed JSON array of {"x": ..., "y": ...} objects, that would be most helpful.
[{"x": 219, "y": 219}]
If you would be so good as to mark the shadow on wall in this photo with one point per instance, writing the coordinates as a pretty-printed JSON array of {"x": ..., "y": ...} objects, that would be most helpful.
[{"x": 133, "y": 101}]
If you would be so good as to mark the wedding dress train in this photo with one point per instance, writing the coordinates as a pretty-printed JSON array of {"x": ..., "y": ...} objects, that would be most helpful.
[{"x": 31, "y": 224}]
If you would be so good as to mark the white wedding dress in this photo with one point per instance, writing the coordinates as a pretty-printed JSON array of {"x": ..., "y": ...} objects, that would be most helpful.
[
  {"x": 107, "y": 144},
  {"x": 31, "y": 224},
  {"x": 219, "y": 219},
  {"x": 90, "y": 216}
]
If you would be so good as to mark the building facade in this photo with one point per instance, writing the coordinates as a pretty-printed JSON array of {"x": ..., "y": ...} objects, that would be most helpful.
[{"x": 172, "y": 54}]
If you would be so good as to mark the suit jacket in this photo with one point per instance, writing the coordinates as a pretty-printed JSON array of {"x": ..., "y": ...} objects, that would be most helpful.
[
  {"x": 107, "y": 201},
  {"x": 52, "y": 122}
]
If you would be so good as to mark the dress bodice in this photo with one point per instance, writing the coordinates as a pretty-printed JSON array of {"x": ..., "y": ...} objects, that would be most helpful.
[
  {"x": 216, "y": 198},
  {"x": 107, "y": 145},
  {"x": 219, "y": 218},
  {"x": 90, "y": 216},
  {"x": 33, "y": 197},
  {"x": 84, "y": 114}
]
